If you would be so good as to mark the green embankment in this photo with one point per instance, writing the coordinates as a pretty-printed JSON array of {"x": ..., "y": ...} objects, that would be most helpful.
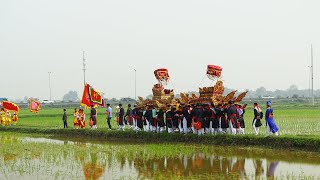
[{"x": 306, "y": 143}]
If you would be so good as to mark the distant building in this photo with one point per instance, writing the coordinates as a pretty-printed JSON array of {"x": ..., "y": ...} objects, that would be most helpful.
[{"x": 267, "y": 97}]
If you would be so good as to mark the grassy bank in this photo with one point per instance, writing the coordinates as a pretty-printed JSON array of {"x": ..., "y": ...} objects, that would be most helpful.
[{"x": 305, "y": 143}]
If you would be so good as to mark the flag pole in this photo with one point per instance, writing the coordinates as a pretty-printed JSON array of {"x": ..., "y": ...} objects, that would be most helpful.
[{"x": 84, "y": 68}]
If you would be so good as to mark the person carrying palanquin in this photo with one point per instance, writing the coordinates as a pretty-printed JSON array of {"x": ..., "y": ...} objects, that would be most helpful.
[
  {"x": 148, "y": 119},
  {"x": 215, "y": 119},
  {"x": 139, "y": 118},
  {"x": 198, "y": 120},
  {"x": 187, "y": 118},
  {"x": 207, "y": 118},
  {"x": 221, "y": 113},
  {"x": 169, "y": 117},
  {"x": 154, "y": 122},
  {"x": 134, "y": 115},
  {"x": 232, "y": 115},
  {"x": 160, "y": 120}
]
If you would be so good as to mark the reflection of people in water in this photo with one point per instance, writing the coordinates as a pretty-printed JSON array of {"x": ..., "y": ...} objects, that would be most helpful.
[
  {"x": 93, "y": 169},
  {"x": 186, "y": 166},
  {"x": 271, "y": 168},
  {"x": 238, "y": 168},
  {"x": 258, "y": 167}
]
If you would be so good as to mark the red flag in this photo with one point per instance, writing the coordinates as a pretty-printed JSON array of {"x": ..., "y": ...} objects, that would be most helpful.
[
  {"x": 91, "y": 97},
  {"x": 85, "y": 96},
  {"x": 95, "y": 96}
]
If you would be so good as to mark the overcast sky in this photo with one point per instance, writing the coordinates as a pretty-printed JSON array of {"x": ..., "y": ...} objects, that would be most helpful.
[{"x": 258, "y": 43}]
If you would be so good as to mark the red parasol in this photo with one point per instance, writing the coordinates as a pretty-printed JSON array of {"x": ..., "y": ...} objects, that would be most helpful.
[{"x": 214, "y": 72}]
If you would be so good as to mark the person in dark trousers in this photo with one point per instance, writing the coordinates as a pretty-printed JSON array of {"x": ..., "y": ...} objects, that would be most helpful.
[
  {"x": 128, "y": 117},
  {"x": 232, "y": 115},
  {"x": 121, "y": 118},
  {"x": 93, "y": 116},
  {"x": 109, "y": 115},
  {"x": 65, "y": 118}
]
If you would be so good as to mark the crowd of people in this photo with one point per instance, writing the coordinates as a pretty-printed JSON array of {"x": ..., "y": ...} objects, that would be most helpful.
[
  {"x": 187, "y": 118},
  {"x": 183, "y": 118}
]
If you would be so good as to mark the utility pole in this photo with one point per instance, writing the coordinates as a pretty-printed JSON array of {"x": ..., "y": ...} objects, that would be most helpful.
[
  {"x": 135, "y": 84},
  {"x": 312, "y": 92},
  {"x": 309, "y": 74},
  {"x": 50, "y": 84},
  {"x": 84, "y": 68}
]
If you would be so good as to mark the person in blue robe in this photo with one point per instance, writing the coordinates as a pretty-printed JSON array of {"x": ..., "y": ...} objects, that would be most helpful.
[{"x": 271, "y": 125}]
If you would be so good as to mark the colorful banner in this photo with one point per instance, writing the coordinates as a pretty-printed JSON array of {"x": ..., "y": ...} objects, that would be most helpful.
[
  {"x": 10, "y": 106},
  {"x": 91, "y": 96},
  {"x": 34, "y": 106}
]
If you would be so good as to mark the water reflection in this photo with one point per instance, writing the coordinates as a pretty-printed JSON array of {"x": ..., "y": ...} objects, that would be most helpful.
[
  {"x": 36, "y": 158},
  {"x": 202, "y": 165}
]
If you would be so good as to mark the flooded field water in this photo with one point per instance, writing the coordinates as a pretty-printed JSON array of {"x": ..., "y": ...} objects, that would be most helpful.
[{"x": 44, "y": 158}]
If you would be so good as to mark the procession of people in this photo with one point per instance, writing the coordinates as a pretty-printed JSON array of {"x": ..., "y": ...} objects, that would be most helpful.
[
  {"x": 182, "y": 118},
  {"x": 7, "y": 118}
]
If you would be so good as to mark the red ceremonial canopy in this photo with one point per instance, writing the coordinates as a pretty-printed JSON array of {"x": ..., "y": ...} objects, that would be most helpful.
[
  {"x": 214, "y": 72},
  {"x": 162, "y": 75},
  {"x": 10, "y": 106}
]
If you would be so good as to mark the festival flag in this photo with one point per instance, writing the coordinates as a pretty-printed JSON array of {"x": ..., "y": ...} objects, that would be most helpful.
[
  {"x": 91, "y": 96},
  {"x": 86, "y": 96},
  {"x": 10, "y": 106},
  {"x": 34, "y": 106},
  {"x": 95, "y": 96}
]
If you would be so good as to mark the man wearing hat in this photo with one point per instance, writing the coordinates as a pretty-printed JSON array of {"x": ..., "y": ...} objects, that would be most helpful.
[
  {"x": 128, "y": 117},
  {"x": 198, "y": 120},
  {"x": 232, "y": 115},
  {"x": 134, "y": 114},
  {"x": 187, "y": 118},
  {"x": 93, "y": 116},
  {"x": 148, "y": 118},
  {"x": 160, "y": 120},
  {"x": 271, "y": 125},
  {"x": 169, "y": 117},
  {"x": 121, "y": 118},
  {"x": 139, "y": 118}
]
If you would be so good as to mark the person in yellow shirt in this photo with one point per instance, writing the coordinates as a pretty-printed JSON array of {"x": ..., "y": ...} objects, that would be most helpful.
[
  {"x": 3, "y": 117},
  {"x": 8, "y": 118},
  {"x": 82, "y": 119},
  {"x": 76, "y": 118}
]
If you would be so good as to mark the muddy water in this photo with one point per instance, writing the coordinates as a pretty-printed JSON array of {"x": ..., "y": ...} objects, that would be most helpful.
[{"x": 42, "y": 158}]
